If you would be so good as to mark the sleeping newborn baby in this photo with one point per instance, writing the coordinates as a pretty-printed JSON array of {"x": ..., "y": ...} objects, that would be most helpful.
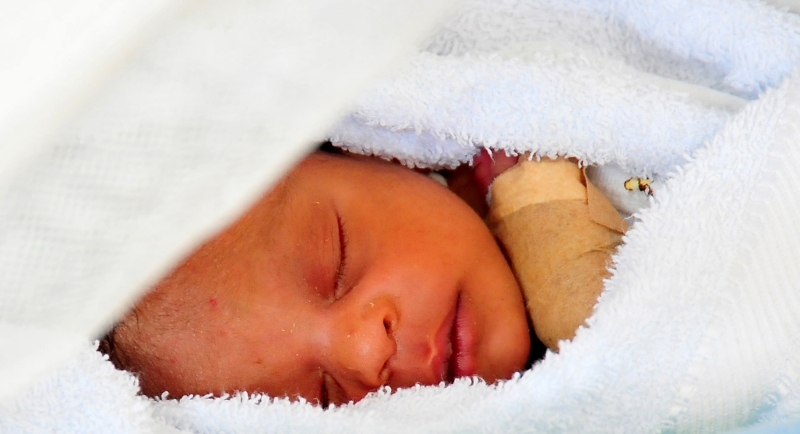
[{"x": 349, "y": 275}]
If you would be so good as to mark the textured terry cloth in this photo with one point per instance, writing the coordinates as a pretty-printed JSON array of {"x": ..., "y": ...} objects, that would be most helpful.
[
  {"x": 88, "y": 395},
  {"x": 439, "y": 110},
  {"x": 697, "y": 330},
  {"x": 743, "y": 50},
  {"x": 588, "y": 58}
]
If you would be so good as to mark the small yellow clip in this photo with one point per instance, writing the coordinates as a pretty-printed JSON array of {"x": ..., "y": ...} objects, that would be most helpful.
[{"x": 641, "y": 184}]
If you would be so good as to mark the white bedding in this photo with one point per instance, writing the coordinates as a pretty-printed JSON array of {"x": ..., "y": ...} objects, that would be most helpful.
[{"x": 697, "y": 329}]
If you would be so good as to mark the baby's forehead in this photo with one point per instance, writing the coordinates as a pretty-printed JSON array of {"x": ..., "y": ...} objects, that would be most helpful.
[{"x": 323, "y": 169}]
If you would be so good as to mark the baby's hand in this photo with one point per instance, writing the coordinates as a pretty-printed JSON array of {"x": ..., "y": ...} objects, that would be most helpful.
[{"x": 489, "y": 166}]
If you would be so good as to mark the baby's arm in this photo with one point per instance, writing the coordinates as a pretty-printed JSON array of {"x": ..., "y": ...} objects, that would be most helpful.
[{"x": 559, "y": 233}]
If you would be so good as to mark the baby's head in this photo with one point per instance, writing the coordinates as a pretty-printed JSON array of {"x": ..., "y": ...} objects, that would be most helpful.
[{"x": 349, "y": 275}]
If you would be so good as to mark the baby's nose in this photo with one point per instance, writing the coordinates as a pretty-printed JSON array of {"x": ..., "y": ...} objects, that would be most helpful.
[{"x": 364, "y": 343}]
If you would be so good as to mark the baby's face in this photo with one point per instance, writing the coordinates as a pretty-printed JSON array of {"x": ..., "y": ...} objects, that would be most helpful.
[{"x": 351, "y": 274}]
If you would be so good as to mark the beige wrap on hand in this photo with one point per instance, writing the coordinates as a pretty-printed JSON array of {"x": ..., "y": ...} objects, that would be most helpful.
[{"x": 559, "y": 233}]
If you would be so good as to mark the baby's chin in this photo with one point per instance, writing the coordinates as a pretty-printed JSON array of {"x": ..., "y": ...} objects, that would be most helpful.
[
  {"x": 505, "y": 353},
  {"x": 514, "y": 355},
  {"x": 503, "y": 336}
]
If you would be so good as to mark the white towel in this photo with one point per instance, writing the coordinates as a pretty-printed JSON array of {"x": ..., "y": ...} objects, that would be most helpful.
[
  {"x": 697, "y": 329},
  {"x": 438, "y": 111}
]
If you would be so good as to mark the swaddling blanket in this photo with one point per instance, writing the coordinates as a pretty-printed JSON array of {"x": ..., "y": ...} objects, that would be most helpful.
[{"x": 697, "y": 328}]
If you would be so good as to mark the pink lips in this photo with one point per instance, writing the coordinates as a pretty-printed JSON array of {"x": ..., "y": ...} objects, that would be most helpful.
[
  {"x": 462, "y": 336},
  {"x": 443, "y": 348},
  {"x": 455, "y": 355}
]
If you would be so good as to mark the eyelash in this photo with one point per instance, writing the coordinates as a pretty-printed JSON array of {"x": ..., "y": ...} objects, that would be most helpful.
[
  {"x": 324, "y": 397},
  {"x": 340, "y": 272}
]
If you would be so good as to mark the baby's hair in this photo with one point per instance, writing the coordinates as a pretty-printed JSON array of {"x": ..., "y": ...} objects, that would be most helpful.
[{"x": 108, "y": 345}]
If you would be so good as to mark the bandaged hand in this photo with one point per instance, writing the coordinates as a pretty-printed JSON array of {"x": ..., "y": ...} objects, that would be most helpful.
[{"x": 558, "y": 232}]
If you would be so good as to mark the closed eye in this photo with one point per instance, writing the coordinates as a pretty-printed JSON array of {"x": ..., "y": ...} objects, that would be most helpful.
[{"x": 342, "y": 267}]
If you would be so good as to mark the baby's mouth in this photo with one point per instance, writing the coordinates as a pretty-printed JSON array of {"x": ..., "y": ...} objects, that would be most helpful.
[
  {"x": 444, "y": 347},
  {"x": 461, "y": 358}
]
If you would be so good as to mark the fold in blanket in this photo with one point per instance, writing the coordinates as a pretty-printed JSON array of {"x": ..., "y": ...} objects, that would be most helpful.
[{"x": 440, "y": 110}]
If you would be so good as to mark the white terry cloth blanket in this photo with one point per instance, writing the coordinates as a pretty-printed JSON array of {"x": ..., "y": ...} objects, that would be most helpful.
[{"x": 697, "y": 329}]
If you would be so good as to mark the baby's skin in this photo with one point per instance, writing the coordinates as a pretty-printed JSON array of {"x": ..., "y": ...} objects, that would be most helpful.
[{"x": 349, "y": 275}]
